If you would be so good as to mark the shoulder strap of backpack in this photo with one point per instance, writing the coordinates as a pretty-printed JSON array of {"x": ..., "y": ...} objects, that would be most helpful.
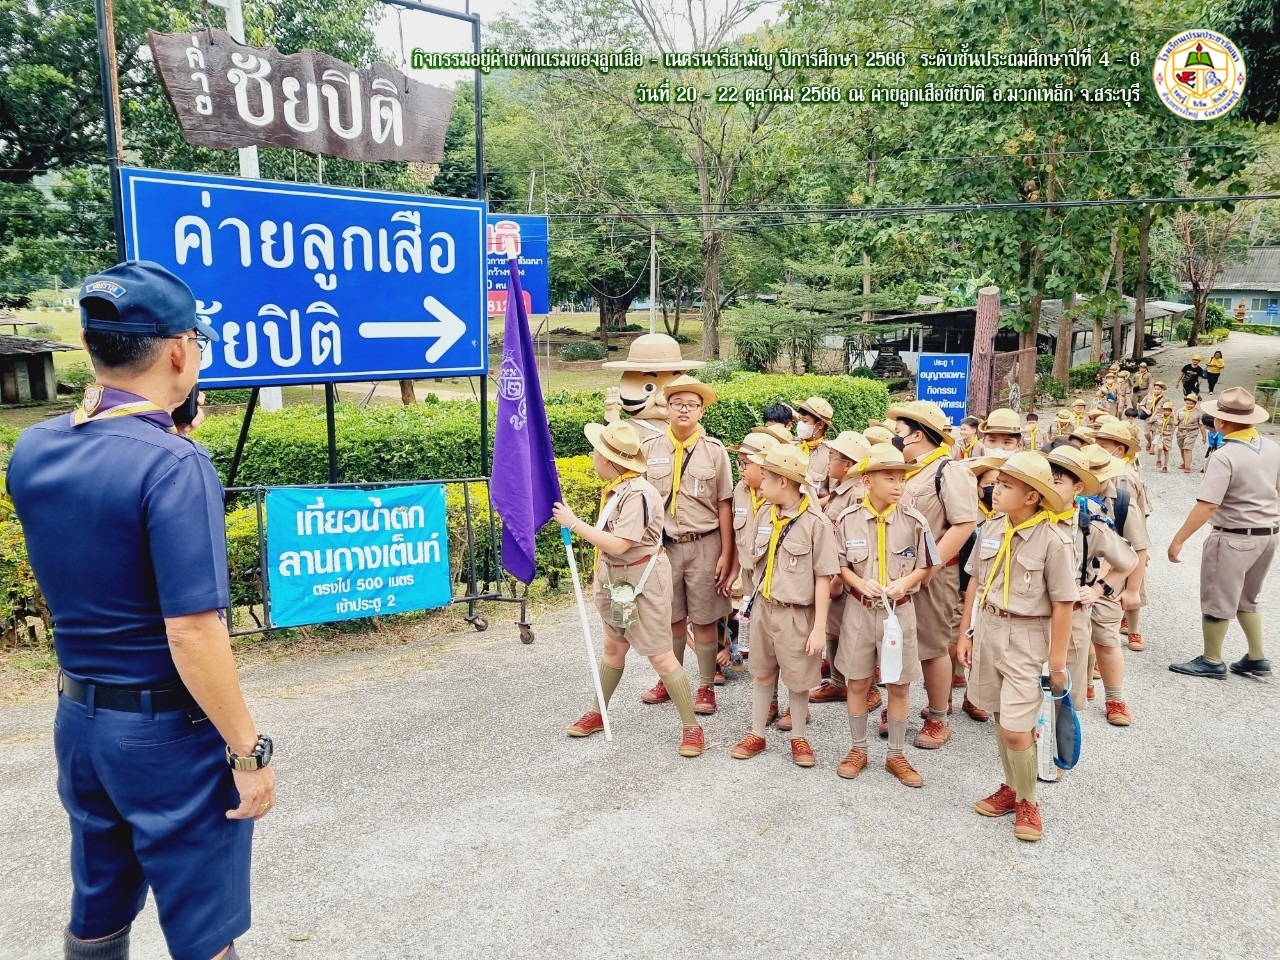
[{"x": 1122, "y": 504}]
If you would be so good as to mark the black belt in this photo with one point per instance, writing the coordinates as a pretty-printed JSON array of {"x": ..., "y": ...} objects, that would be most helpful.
[
  {"x": 1249, "y": 531},
  {"x": 125, "y": 699},
  {"x": 688, "y": 537}
]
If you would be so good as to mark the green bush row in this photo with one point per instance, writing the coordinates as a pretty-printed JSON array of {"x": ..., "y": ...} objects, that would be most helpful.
[
  {"x": 1264, "y": 329},
  {"x": 1084, "y": 376}
]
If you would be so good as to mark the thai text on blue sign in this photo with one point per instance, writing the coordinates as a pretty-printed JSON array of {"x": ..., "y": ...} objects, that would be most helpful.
[
  {"x": 313, "y": 284},
  {"x": 944, "y": 379},
  {"x": 533, "y": 248},
  {"x": 335, "y": 554}
]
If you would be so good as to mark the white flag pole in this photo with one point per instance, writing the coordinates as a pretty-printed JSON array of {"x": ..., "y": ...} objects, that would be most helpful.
[{"x": 586, "y": 629}]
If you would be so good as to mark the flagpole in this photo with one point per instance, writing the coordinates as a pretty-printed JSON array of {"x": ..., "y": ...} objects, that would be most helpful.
[{"x": 586, "y": 630}]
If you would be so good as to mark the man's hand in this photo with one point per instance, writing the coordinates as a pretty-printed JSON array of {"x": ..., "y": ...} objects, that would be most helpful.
[
  {"x": 1175, "y": 551},
  {"x": 186, "y": 429},
  {"x": 563, "y": 514},
  {"x": 817, "y": 641},
  {"x": 726, "y": 572},
  {"x": 257, "y": 793}
]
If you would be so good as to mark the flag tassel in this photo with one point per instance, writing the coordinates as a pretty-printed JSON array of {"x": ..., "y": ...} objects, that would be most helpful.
[{"x": 586, "y": 631}]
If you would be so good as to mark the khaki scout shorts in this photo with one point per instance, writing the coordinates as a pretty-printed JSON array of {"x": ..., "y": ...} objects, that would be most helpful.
[
  {"x": 1233, "y": 569},
  {"x": 861, "y": 635},
  {"x": 1008, "y": 653},
  {"x": 1078, "y": 654},
  {"x": 1188, "y": 442},
  {"x": 693, "y": 581},
  {"x": 650, "y": 635},
  {"x": 778, "y": 636},
  {"x": 1104, "y": 624},
  {"x": 938, "y": 605}
]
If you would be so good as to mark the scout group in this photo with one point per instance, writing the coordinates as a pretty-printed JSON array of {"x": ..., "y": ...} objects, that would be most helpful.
[{"x": 989, "y": 561}]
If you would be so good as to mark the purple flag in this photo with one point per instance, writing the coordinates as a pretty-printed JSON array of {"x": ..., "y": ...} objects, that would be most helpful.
[{"x": 525, "y": 483}]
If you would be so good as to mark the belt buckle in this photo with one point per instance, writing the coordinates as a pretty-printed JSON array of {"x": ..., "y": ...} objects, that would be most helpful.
[{"x": 877, "y": 603}]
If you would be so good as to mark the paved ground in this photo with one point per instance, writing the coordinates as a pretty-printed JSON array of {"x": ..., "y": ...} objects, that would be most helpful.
[{"x": 431, "y": 806}]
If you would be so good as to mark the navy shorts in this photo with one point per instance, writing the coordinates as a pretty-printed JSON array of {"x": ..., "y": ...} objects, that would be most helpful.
[{"x": 147, "y": 797}]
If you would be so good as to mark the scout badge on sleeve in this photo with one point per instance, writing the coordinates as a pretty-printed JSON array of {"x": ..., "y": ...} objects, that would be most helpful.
[
  {"x": 624, "y": 607},
  {"x": 891, "y": 646},
  {"x": 1045, "y": 770}
]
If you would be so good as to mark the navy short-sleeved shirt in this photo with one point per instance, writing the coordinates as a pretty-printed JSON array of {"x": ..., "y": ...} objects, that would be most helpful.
[{"x": 124, "y": 527}]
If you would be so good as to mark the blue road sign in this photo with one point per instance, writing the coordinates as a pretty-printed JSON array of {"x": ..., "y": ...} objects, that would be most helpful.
[
  {"x": 533, "y": 248},
  {"x": 313, "y": 284},
  {"x": 944, "y": 379}
]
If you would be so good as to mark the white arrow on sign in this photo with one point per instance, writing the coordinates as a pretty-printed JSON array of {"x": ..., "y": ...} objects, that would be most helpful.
[{"x": 447, "y": 327}]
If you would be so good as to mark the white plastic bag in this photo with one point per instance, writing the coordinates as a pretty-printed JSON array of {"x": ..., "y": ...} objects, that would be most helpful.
[{"x": 891, "y": 646}]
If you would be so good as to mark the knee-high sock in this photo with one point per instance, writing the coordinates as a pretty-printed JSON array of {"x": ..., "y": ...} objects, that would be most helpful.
[
  {"x": 610, "y": 677},
  {"x": 1215, "y": 632},
  {"x": 706, "y": 663},
  {"x": 1022, "y": 764},
  {"x": 833, "y": 647},
  {"x": 678, "y": 645},
  {"x": 799, "y": 712},
  {"x": 114, "y": 947},
  {"x": 858, "y": 730},
  {"x": 1133, "y": 616},
  {"x": 677, "y": 685},
  {"x": 1004, "y": 755},
  {"x": 1251, "y": 624},
  {"x": 762, "y": 695}
]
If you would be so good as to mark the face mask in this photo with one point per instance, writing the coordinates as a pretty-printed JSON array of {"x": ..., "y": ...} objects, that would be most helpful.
[
  {"x": 985, "y": 494},
  {"x": 898, "y": 442},
  {"x": 804, "y": 430},
  {"x": 999, "y": 453}
]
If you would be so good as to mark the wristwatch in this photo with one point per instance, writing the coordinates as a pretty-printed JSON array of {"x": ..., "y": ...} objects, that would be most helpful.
[
  {"x": 1107, "y": 589},
  {"x": 260, "y": 757}
]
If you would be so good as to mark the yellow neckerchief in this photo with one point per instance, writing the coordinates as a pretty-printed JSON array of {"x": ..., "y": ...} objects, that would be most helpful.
[
  {"x": 1140, "y": 381},
  {"x": 604, "y": 495},
  {"x": 1066, "y": 516},
  {"x": 882, "y": 549},
  {"x": 757, "y": 502},
  {"x": 968, "y": 447},
  {"x": 1164, "y": 422},
  {"x": 1186, "y": 415},
  {"x": 1249, "y": 436},
  {"x": 1007, "y": 554},
  {"x": 681, "y": 449},
  {"x": 1063, "y": 428},
  {"x": 1031, "y": 436},
  {"x": 986, "y": 511},
  {"x": 1076, "y": 418},
  {"x": 82, "y": 415},
  {"x": 779, "y": 524},
  {"x": 1155, "y": 400},
  {"x": 936, "y": 454}
]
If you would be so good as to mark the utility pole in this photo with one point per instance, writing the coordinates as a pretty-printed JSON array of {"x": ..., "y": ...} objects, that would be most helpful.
[
  {"x": 653, "y": 279},
  {"x": 105, "y": 15}
]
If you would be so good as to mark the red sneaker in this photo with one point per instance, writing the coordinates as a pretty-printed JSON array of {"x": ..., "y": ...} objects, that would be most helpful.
[
  {"x": 802, "y": 753},
  {"x": 1136, "y": 643},
  {"x": 784, "y": 721},
  {"x": 1118, "y": 713},
  {"x": 901, "y": 768},
  {"x": 691, "y": 742},
  {"x": 884, "y": 724},
  {"x": 854, "y": 762},
  {"x": 999, "y": 803},
  {"x": 1026, "y": 821},
  {"x": 748, "y": 747},
  {"x": 657, "y": 695},
  {"x": 828, "y": 692},
  {"x": 719, "y": 681},
  {"x": 705, "y": 701},
  {"x": 924, "y": 711},
  {"x": 773, "y": 712},
  {"x": 590, "y": 722},
  {"x": 932, "y": 735},
  {"x": 1089, "y": 692}
]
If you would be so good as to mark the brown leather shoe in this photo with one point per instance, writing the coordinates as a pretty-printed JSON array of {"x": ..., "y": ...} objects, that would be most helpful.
[
  {"x": 980, "y": 715},
  {"x": 657, "y": 695},
  {"x": 720, "y": 681},
  {"x": 884, "y": 724},
  {"x": 901, "y": 768},
  {"x": 924, "y": 711},
  {"x": 932, "y": 735},
  {"x": 1089, "y": 692},
  {"x": 1136, "y": 643},
  {"x": 1026, "y": 821},
  {"x": 705, "y": 701},
  {"x": 1000, "y": 803},
  {"x": 829, "y": 692},
  {"x": 958, "y": 680},
  {"x": 875, "y": 699},
  {"x": 1118, "y": 713},
  {"x": 784, "y": 721},
  {"x": 802, "y": 753},
  {"x": 773, "y": 712},
  {"x": 590, "y": 722},
  {"x": 748, "y": 747},
  {"x": 691, "y": 742},
  {"x": 854, "y": 762},
  {"x": 826, "y": 668}
]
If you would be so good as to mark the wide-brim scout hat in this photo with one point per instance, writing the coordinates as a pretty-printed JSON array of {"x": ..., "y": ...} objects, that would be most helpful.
[
  {"x": 1083, "y": 432},
  {"x": 927, "y": 414},
  {"x": 1077, "y": 403},
  {"x": 878, "y": 433},
  {"x": 775, "y": 430},
  {"x": 888, "y": 423},
  {"x": 1167, "y": 405},
  {"x": 1192, "y": 398},
  {"x": 1063, "y": 416},
  {"x": 882, "y": 456},
  {"x": 687, "y": 384},
  {"x": 1118, "y": 433},
  {"x": 1123, "y": 374},
  {"x": 849, "y": 444},
  {"x": 814, "y": 406},
  {"x": 1101, "y": 463},
  {"x": 755, "y": 442},
  {"x": 618, "y": 443},
  {"x": 1004, "y": 421},
  {"x": 980, "y": 465},
  {"x": 786, "y": 460},
  {"x": 654, "y": 352},
  {"x": 1237, "y": 406},
  {"x": 1159, "y": 383},
  {"x": 1032, "y": 468},
  {"x": 1077, "y": 464}
]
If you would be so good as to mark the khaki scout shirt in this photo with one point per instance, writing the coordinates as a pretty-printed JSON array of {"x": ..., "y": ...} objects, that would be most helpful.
[
  {"x": 1135, "y": 524},
  {"x": 1243, "y": 480},
  {"x": 959, "y": 502},
  {"x": 1187, "y": 423},
  {"x": 819, "y": 459},
  {"x": 1137, "y": 486},
  {"x": 634, "y": 513},
  {"x": 1100, "y": 543},
  {"x": 807, "y": 551},
  {"x": 908, "y": 543},
  {"x": 848, "y": 494},
  {"x": 1040, "y": 568},
  {"x": 744, "y": 516},
  {"x": 705, "y": 480}
]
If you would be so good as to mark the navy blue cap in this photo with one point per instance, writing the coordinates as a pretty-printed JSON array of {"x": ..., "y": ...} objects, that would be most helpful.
[{"x": 140, "y": 298}]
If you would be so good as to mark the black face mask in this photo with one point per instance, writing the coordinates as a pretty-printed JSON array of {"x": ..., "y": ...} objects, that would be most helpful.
[
  {"x": 985, "y": 494},
  {"x": 898, "y": 442}
]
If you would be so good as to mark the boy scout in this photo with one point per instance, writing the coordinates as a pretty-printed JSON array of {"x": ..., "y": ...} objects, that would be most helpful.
[
  {"x": 1141, "y": 384},
  {"x": 1124, "y": 393},
  {"x": 813, "y": 419},
  {"x": 1187, "y": 429},
  {"x": 1126, "y": 500},
  {"x": 1164, "y": 425},
  {"x": 947, "y": 494},
  {"x": 1151, "y": 406},
  {"x": 628, "y": 541},
  {"x": 692, "y": 475},
  {"x": 1063, "y": 421},
  {"x": 1031, "y": 434},
  {"x": 1001, "y": 433},
  {"x": 1078, "y": 408},
  {"x": 886, "y": 552},
  {"x": 1238, "y": 495},
  {"x": 747, "y": 501},
  {"x": 795, "y": 560},
  {"x": 1022, "y": 589},
  {"x": 968, "y": 439}
]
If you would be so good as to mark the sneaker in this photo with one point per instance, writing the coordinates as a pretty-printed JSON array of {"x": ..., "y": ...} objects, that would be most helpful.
[
  {"x": 748, "y": 747},
  {"x": 719, "y": 679},
  {"x": 691, "y": 742},
  {"x": 974, "y": 713},
  {"x": 828, "y": 692},
  {"x": 1124, "y": 628},
  {"x": 590, "y": 722},
  {"x": 657, "y": 695},
  {"x": 1245, "y": 667},
  {"x": 924, "y": 711},
  {"x": 932, "y": 735},
  {"x": 802, "y": 753},
  {"x": 1118, "y": 713},
  {"x": 705, "y": 701},
  {"x": 854, "y": 762},
  {"x": 874, "y": 699},
  {"x": 884, "y": 724},
  {"x": 773, "y": 712},
  {"x": 1088, "y": 694},
  {"x": 999, "y": 804},
  {"x": 1200, "y": 667},
  {"x": 1135, "y": 643},
  {"x": 901, "y": 768},
  {"x": 784, "y": 721},
  {"x": 1026, "y": 821}
]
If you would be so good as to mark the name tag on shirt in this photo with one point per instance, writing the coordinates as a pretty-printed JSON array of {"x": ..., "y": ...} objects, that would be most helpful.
[
  {"x": 656, "y": 461},
  {"x": 765, "y": 530},
  {"x": 739, "y": 511},
  {"x": 991, "y": 543},
  {"x": 854, "y": 543}
]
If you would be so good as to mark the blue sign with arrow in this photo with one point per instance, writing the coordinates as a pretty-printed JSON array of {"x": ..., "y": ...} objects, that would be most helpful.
[{"x": 314, "y": 284}]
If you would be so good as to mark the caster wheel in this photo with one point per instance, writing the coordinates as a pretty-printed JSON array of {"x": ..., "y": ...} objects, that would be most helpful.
[
  {"x": 481, "y": 624},
  {"x": 526, "y": 633}
]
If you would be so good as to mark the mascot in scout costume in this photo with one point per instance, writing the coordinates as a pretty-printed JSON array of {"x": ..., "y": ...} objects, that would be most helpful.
[{"x": 652, "y": 363}]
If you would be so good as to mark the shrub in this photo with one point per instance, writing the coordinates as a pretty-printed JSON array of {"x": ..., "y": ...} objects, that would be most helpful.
[
  {"x": 1084, "y": 376},
  {"x": 865, "y": 372},
  {"x": 42, "y": 330},
  {"x": 589, "y": 350},
  {"x": 718, "y": 371},
  {"x": 218, "y": 397},
  {"x": 1044, "y": 363},
  {"x": 78, "y": 376},
  {"x": 1216, "y": 315},
  {"x": 1216, "y": 335},
  {"x": 682, "y": 338},
  {"x": 8, "y": 437},
  {"x": 853, "y": 400},
  {"x": 1050, "y": 386},
  {"x": 1264, "y": 329}
]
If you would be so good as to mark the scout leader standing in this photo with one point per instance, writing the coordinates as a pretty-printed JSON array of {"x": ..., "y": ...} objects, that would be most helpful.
[
  {"x": 1187, "y": 429},
  {"x": 692, "y": 474},
  {"x": 795, "y": 561},
  {"x": 947, "y": 494},
  {"x": 1022, "y": 589},
  {"x": 1126, "y": 501},
  {"x": 1238, "y": 496},
  {"x": 886, "y": 553}
]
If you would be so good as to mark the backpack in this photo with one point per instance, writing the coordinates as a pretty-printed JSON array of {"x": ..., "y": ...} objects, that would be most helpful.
[{"x": 1122, "y": 504}]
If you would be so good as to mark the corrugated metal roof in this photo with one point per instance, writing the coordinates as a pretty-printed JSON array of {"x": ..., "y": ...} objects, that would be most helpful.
[
  {"x": 1260, "y": 272},
  {"x": 15, "y": 346}
]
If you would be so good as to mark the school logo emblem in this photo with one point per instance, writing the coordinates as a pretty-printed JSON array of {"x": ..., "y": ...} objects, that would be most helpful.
[
  {"x": 1199, "y": 75},
  {"x": 92, "y": 399},
  {"x": 511, "y": 388}
]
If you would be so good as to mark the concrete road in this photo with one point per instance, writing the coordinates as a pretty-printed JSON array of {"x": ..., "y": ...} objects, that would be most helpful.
[{"x": 431, "y": 806}]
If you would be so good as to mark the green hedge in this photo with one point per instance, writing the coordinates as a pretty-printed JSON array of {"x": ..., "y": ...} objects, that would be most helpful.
[
  {"x": 1084, "y": 376},
  {"x": 1263, "y": 329}
]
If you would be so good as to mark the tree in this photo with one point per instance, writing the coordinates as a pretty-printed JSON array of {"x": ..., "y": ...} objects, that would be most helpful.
[{"x": 1206, "y": 242}]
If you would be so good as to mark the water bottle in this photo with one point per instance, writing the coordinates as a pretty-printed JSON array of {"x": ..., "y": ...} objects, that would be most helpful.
[{"x": 1045, "y": 768}]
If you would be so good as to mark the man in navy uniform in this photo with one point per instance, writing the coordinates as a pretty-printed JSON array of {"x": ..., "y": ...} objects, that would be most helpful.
[{"x": 160, "y": 767}]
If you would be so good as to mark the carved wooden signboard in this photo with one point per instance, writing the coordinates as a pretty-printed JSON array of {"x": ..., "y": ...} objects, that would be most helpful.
[{"x": 226, "y": 94}]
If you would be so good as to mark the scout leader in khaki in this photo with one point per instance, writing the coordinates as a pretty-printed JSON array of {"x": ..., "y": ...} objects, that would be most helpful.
[
  {"x": 632, "y": 577},
  {"x": 1238, "y": 496},
  {"x": 1019, "y": 601},
  {"x": 886, "y": 552},
  {"x": 947, "y": 494},
  {"x": 692, "y": 474},
  {"x": 795, "y": 560}
]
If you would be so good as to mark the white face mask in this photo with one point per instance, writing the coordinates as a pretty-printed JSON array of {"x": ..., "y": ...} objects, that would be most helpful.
[
  {"x": 998, "y": 453},
  {"x": 804, "y": 430}
]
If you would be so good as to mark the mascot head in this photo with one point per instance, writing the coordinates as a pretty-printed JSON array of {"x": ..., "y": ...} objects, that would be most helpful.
[{"x": 652, "y": 362}]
